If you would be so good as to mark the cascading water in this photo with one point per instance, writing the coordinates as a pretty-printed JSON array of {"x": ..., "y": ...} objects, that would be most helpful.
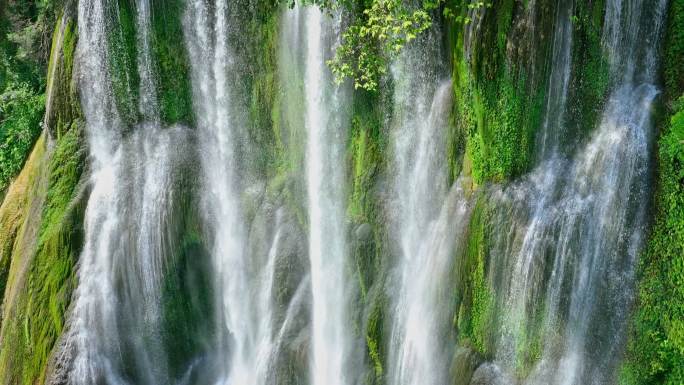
[
  {"x": 243, "y": 280},
  {"x": 559, "y": 81},
  {"x": 564, "y": 239},
  {"x": 427, "y": 224},
  {"x": 570, "y": 239},
  {"x": 206, "y": 31},
  {"x": 118, "y": 302},
  {"x": 535, "y": 236},
  {"x": 148, "y": 95},
  {"x": 325, "y": 175}
]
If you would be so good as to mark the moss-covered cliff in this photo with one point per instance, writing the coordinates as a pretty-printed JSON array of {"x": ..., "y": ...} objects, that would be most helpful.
[
  {"x": 44, "y": 223},
  {"x": 500, "y": 66}
]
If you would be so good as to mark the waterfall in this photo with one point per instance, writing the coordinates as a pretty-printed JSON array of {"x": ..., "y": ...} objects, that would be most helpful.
[
  {"x": 148, "y": 95},
  {"x": 128, "y": 219},
  {"x": 568, "y": 235},
  {"x": 562, "y": 241},
  {"x": 559, "y": 81},
  {"x": 325, "y": 175},
  {"x": 245, "y": 319},
  {"x": 206, "y": 30},
  {"x": 427, "y": 222}
]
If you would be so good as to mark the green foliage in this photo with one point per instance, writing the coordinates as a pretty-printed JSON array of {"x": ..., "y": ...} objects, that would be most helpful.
[
  {"x": 21, "y": 111},
  {"x": 656, "y": 350},
  {"x": 378, "y": 33},
  {"x": 25, "y": 30},
  {"x": 377, "y": 36}
]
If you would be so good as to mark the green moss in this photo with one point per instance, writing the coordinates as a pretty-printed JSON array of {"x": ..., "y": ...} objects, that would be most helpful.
[
  {"x": 590, "y": 68},
  {"x": 456, "y": 143},
  {"x": 498, "y": 105},
  {"x": 52, "y": 276},
  {"x": 42, "y": 273},
  {"x": 14, "y": 209},
  {"x": 366, "y": 147},
  {"x": 171, "y": 68},
  {"x": 274, "y": 79},
  {"x": 186, "y": 299},
  {"x": 674, "y": 50},
  {"x": 504, "y": 19},
  {"x": 375, "y": 342},
  {"x": 475, "y": 296},
  {"x": 39, "y": 308},
  {"x": 655, "y": 353},
  {"x": 66, "y": 167},
  {"x": 529, "y": 342},
  {"x": 122, "y": 55},
  {"x": 499, "y": 119},
  {"x": 264, "y": 109},
  {"x": 172, "y": 63}
]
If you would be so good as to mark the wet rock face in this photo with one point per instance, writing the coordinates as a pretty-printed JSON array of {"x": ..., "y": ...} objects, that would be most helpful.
[
  {"x": 363, "y": 233},
  {"x": 489, "y": 374},
  {"x": 463, "y": 365},
  {"x": 61, "y": 361}
]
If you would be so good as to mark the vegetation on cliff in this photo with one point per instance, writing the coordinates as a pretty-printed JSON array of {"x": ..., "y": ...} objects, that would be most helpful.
[{"x": 499, "y": 85}]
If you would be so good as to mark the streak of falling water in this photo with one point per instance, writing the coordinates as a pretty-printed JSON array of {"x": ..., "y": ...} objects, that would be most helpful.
[
  {"x": 95, "y": 285},
  {"x": 117, "y": 309},
  {"x": 422, "y": 333},
  {"x": 244, "y": 324},
  {"x": 206, "y": 34},
  {"x": 425, "y": 238},
  {"x": 148, "y": 95},
  {"x": 325, "y": 175},
  {"x": 559, "y": 81}
]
